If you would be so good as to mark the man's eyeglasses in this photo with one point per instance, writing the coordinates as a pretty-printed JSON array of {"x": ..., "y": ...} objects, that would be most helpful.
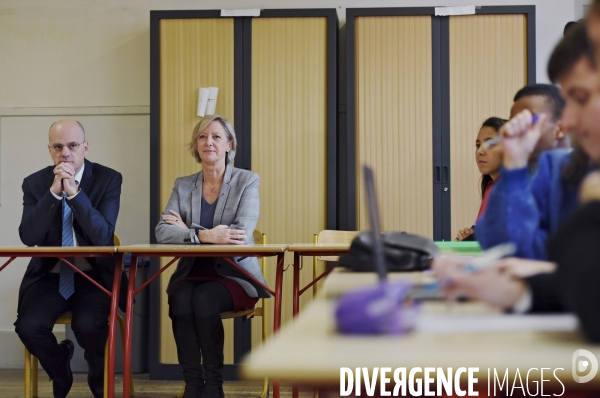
[{"x": 73, "y": 147}]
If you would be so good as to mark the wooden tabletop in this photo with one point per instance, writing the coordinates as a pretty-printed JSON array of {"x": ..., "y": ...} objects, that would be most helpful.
[
  {"x": 309, "y": 350},
  {"x": 457, "y": 248},
  {"x": 19, "y": 250},
  {"x": 182, "y": 249},
  {"x": 311, "y": 247},
  {"x": 342, "y": 280}
]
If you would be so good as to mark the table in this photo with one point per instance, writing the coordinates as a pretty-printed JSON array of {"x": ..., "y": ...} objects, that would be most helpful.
[
  {"x": 310, "y": 351},
  {"x": 82, "y": 251},
  {"x": 310, "y": 249},
  {"x": 314, "y": 249},
  {"x": 178, "y": 251}
]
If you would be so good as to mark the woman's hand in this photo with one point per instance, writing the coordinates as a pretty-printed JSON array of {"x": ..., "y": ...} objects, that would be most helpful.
[
  {"x": 590, "y": 188},
  {"x": 174, "y": 219},
  {"x": 223, "y": 235},
  {"x": 463, "y": 233},
  {"x": 521, "y": 136}
]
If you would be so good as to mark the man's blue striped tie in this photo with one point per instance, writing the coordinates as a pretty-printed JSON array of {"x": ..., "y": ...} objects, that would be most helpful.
[{"x": 66, "y": 286}]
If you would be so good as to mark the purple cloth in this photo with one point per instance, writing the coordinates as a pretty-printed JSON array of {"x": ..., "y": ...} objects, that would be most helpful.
[{"x": 379, "y": 310}]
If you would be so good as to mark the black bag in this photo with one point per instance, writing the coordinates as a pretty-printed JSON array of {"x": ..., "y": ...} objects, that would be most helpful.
[{"x": 401, "y": 251}]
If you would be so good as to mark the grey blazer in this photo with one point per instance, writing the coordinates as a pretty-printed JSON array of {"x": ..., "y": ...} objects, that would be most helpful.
[{"x": 238, "y": 204}]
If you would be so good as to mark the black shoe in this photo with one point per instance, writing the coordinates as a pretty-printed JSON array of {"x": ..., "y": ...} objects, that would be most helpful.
[
  {"x": 62, "y": 385},
  {"x": 212, "y": 391},
  {"x": 193, "y": 391},
  {"x": 96, "y": 385}
]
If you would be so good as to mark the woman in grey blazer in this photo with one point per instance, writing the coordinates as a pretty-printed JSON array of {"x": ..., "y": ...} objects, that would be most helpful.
[{"x": 218, "y": 205}]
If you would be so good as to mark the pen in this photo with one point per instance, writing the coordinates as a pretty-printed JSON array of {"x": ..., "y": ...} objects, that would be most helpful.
[
  {"x": 494, "y": 141},
  {"x": 488, "y": 258}
]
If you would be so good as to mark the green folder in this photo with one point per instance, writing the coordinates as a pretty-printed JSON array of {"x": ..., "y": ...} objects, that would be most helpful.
[{"x": 459, "y": 247}]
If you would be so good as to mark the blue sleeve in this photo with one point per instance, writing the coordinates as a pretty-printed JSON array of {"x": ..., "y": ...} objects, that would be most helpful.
[{"x": 517, "y": 212}]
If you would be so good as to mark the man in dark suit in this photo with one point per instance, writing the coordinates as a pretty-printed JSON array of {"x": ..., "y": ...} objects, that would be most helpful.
[{"x": 73, "y": 203}]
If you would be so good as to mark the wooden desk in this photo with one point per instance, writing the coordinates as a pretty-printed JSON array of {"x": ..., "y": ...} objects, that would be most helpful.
[
  {"x": 178, "y": 251},
  {"x": 310, "y": 351},
  {"x": 342, "y": 280},
  {"x": 311, "y": 249},
  {"x": 63, "y": 253}
]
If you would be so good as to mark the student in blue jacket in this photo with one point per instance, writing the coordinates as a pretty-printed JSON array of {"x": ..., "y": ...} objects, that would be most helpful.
[{"x": 526, "y": 210}]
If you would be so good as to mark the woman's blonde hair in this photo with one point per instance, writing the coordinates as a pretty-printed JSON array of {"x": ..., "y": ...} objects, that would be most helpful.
[{"x": 229, "y": 131}]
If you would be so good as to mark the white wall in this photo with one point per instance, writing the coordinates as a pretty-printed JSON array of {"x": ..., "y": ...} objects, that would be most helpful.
[{"x": 89, "y": 60}]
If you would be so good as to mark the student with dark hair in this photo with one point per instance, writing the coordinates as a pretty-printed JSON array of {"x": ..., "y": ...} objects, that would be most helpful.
[
  {"x": 570, "y": 25},
  {"x": 488, "y": 162},
  {"x": 542, "y": 98},
  {"x": 527, "y": 210}
]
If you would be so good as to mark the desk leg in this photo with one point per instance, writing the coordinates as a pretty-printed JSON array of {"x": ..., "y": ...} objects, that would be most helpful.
[
  {"x": 296, "y": 302},
  {"x": 112, "y": 325},
  {"x": 277, "y": 308},
  {"x": 10, "y": 260},
  {"x": 296, "y": 284},
  {"x": 129, "y": 326},
  {"x": 278, "y": 293}
]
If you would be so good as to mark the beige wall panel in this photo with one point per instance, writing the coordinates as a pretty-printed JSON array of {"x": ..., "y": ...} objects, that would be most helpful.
[
  {"x": 289, "y": 60},
  {"x": 488, "y": 65},
  {"x": 393, "y": 119},
  {"x": 194, "y": 53}
]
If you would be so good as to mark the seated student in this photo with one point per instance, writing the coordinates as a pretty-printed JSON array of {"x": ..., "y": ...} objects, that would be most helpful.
[
  {"x": 218, "y": 205},
  {"x": 568, "y": 283},
  {"x": 488, "y": 162},
  {"x": 526, "y": 211},
  {"x": 543, "y": 98}
]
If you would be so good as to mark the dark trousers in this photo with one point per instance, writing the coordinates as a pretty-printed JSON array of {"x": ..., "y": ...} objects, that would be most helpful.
[
  {"x": 198, "y": 330},
  {"x": 199, "y": 298},
  {"x": 41, "y": 306}
]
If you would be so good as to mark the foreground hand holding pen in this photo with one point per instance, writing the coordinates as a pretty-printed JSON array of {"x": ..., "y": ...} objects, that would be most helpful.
[{"x": 498, "y": 283}]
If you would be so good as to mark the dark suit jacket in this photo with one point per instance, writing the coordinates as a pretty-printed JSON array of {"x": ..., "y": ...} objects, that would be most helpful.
[{"x": 95, "y": 210}]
